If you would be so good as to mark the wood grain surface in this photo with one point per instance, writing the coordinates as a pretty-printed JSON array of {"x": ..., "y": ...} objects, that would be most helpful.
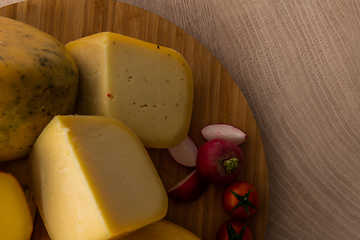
[
  {"x": 217, "y": 99},
  {"x": 297, "y": 64}
]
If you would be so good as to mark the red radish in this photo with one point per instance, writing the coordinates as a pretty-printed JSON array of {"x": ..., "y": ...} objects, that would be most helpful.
[
  {"x": 223, "y": 131},
  {"x": 219, "y": 161},
  {"x": 188, "y": 189},
  {"x": 185, "y": 152}
]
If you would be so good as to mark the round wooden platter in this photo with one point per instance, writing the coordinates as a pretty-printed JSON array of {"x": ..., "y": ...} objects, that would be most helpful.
[{"x": 217, "y": 99}]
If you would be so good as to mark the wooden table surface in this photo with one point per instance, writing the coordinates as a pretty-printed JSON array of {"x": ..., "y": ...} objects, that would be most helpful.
[{"x": 297, "y": 64}]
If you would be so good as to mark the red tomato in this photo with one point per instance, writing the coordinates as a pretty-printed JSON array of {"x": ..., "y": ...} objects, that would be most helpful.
[
  {"x": 240, "y": 200},
  {"x": 230, "y": 230}
]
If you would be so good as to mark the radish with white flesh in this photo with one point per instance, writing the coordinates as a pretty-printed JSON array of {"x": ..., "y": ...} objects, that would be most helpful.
[
  {"x": 185, "y": 153},
  {"x": 188, "y": 189},
  {"x": 223, "y": 131},
  {"x": 219, "y": 161}
]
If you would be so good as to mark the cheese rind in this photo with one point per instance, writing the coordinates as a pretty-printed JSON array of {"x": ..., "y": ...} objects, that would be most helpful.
[
  {"x": 147, "y": 87},
  {"x": 162, "y": 230},
  {"x": 93, "y": 179},
  {"x": 15, "y": 217},
  {"x": 38, "y": 80}
]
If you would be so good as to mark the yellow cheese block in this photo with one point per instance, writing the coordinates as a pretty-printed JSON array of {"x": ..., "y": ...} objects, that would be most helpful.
[
  {"x": 38, "y": 80},
  {"x": 93, "y": 179},
  {"x": 162, "y": 230},
  {"x": 147, "y": 87},
  {"x": 20, "y": 168},
  {"x": 15, "y": 217}
]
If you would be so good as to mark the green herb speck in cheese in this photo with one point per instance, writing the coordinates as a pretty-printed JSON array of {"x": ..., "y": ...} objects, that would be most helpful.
[
  {"x": 42, "y": 61},
  {"x": 49, "y": 51}
]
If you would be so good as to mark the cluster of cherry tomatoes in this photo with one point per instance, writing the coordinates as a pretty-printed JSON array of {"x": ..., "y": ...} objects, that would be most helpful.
[{"x": 240, "y": 201}]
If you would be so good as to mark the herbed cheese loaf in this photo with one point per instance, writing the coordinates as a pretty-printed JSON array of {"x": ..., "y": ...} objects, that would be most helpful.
[
  {"x": 146, "y": 86},
  {"x": 38, "y": 80}
]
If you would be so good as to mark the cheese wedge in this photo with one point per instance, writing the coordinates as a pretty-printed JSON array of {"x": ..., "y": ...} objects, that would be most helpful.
[
  {"x": 147, "y": 87},
  {"x": 38, "y": 80},
  {"x": 93, "y": 179},
  {"x": 19, "y": 168},
  {"x": 15, "y": 218},
  {"x": 162, "y": 230}
]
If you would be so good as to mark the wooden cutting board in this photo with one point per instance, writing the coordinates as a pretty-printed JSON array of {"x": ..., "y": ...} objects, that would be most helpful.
[{"x": 217, "y": 99}]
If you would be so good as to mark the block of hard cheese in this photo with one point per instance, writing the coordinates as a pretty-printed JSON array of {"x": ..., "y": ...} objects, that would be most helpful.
[
  {"x": 162, "y": 230},
  {"x": 15, "y": 217},
  {"x": 19, "y": 168},
  {"x": 147, "y": 87},
  {"x": 93, "y": 179}
]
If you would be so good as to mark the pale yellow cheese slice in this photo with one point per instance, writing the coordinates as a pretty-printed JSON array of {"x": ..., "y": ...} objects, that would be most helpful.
[
  {"x": 147, "y": 87},
  {"x": 162, "y": 230},
  {"x": 15, "y": 217},
  {"x": 93, "y": 179}
]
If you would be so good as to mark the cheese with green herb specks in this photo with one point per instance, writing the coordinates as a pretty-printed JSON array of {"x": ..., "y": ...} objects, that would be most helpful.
[
  {"x": 38, "y": 79},
  {"x": 146, "y": 86}
]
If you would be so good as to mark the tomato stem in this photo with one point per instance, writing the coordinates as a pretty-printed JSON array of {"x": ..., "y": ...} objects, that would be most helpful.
[
  {"x": 244, "y": 201},
  {"x": 231, "y": 164},
  {"x": 233, "y": 235}
]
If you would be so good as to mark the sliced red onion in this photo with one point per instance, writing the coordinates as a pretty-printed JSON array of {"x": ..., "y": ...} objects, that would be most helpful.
[
  {"x": 185, "y": 152},
  {"x": 223, "y": 131}
]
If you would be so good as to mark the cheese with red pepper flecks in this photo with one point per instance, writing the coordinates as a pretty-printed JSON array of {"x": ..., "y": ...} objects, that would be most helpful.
[
  {"x": 38, "y": 79},
  {"x": 147, "y": 87},
  {"x": 93, "y": 179}
]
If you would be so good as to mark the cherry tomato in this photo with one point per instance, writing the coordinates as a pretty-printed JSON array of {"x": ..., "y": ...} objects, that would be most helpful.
[
  {"x": 240, "y": 200},
  {"x": 234, "y": 230}
]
